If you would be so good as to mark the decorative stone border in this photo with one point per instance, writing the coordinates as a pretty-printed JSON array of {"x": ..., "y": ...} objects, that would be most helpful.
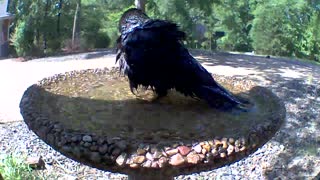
[{"x": 118, "y": 155}]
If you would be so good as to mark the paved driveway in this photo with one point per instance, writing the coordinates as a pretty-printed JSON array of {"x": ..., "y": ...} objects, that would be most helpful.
[{"x": 15, "y": 76}]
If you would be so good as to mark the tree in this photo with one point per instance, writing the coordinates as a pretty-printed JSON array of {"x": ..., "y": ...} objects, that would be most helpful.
[
  {"x": 279, "y": 28},
  {"x": 76, "y": 25},
  {"x": 141, "y": 4}
]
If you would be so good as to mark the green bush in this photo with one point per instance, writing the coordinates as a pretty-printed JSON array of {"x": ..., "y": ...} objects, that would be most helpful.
[{"x": 22, "y": 39}]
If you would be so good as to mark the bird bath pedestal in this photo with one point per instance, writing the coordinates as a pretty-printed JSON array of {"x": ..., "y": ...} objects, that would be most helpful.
[{"x": 92, "y": 117}]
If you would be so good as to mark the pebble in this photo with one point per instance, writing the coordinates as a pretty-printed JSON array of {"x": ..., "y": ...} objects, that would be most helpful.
[
  {"x": 103, "y": 149},
  {"x": 193, "y": 158},
  {"x": 184, "y": 150},
  {"x": 134, "y": 165},
  {"x": 155, "y": 165},
  {"x": 172, "y": 152},
  {"x": 214, "y": 152},
  {"x": 122, "y": 145},
  {"x": 223, "y": 155},
  {"x": 138, "y": 159},
  {"x": 94, "y": 148},
  {"x": 149, "y": 156},
  {"x": 162, "y": 162},
  {"x": 176, "y": 160},
  {"x": 157, "y": 154},
  {"x": 141, "y": 151},
  {"x": 87, "y": 144},
  {"x": 224, "y": 144},
  {"x": 87, "y": 138},
  {"x": 206, "y": 147},
  {"x": 121, "y": 159},
  {"x": 147, "y": 164},
  {"x": 198, "y": 148},
  {"x": 35, "y": 162},
  {"x": 116, "y": 152},
  {"x": 231, "y": 141}
]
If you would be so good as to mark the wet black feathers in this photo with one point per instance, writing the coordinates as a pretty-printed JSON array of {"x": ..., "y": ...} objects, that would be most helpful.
[{"x": 151, "y": 54}]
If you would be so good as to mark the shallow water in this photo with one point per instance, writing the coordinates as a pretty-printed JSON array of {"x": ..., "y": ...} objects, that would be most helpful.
[{"x": 103, "y": 104}]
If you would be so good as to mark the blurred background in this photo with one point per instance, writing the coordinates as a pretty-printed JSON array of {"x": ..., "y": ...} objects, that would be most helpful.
[{"x": 287, "y": 28}]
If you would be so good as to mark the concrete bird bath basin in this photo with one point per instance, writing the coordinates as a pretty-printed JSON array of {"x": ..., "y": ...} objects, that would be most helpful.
[{"x": 92, "y": 117}]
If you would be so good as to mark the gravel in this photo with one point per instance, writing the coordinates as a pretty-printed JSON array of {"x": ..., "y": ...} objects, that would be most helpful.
[{"x": 293, "y": 153}]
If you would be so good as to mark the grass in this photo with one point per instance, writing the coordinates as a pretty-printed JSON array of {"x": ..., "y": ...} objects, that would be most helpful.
[{"x": 12, "y": 167}]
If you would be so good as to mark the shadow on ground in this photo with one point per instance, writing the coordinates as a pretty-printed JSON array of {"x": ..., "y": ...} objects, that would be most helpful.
[{"x": 295, "y": 83}]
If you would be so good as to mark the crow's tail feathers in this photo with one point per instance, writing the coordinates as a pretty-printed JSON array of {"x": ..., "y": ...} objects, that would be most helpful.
[{"x": 217, "y": 97}]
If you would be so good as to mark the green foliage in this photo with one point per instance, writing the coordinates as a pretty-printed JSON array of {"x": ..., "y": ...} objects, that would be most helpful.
[
  {"x": 275, "y": 27},
  {"x": 13, "y": 167},
  {"x": 22, "y": 38},
  {"x": 283, "y": 28},
  {"x": 236, "y": 20}
]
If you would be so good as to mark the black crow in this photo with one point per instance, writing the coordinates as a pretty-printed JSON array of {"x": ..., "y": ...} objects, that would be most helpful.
[{"x": 151, "y": 53}]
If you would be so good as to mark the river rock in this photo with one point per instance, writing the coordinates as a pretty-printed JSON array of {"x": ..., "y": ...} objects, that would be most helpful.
[
  {"x": 176, "y": 160},
  {"x": 193, "y": 158},
  {"x": 87, "y": 138},
  {"x": 172, "y": 152},
  {"x": 121, "y": 159},
  {"x": 103, "y": 149},
  {"x": 198, "y": 148},
  {"x": 138, "y": 159},
  {"x": 184, "y": 150}
]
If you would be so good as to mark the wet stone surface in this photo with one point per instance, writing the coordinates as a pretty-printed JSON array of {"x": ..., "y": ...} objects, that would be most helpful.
[{"x": 93, "y": 117}]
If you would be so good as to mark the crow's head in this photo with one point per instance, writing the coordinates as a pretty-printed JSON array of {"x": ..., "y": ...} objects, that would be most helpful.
[{"x": 131, "y": 19}]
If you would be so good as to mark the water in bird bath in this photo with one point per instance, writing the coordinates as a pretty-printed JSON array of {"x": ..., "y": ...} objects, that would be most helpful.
[
  {"x": 105, "y": 105},
  {"x": 93, "y": 117}
]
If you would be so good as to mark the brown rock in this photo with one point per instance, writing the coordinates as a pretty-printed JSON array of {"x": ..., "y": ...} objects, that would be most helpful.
[
  {"x": 231, "y": 141},
  {"x": 223, "y": 155},
  {"x": 206, "y": 147},
  {"x": 214, "y": 152},
  {"x": 230, "y": 150},
  {"x": 236, "y": 149},
  {"x": 35, "y": 162},
  {"x": 224, "y": 144},
  {"x": 138, "y": 159},
  {"x": 141, "y": 151},
  {"x": 155, "y": 165},
  {"x": 162, "y": 162},
  {"x": 202, "y": 156},
  {"x": 204, "y": 151},
  {"x": 184, "y": 150},
  {"x": 147, "y": 164},
  {"x": 134, "y": 165},
  {"x": 172, "y": 152},
  {"x": 193, "y": 158},
  {"x": 157, "y": 154},
  {"x": 217, "y": 142},
  {"x": 176, "y": 160}
]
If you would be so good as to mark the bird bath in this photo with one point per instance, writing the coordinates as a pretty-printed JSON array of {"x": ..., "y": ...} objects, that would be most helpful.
[{"x": 92, "y": 117}]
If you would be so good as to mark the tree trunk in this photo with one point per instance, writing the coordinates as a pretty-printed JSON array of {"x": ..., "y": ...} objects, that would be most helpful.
[
  {"x": 59, "y": 16},
  {"x": 141, "y": 4},
  {"x": 45, "y": 33},
  {"x": 76, "y": 25}
]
